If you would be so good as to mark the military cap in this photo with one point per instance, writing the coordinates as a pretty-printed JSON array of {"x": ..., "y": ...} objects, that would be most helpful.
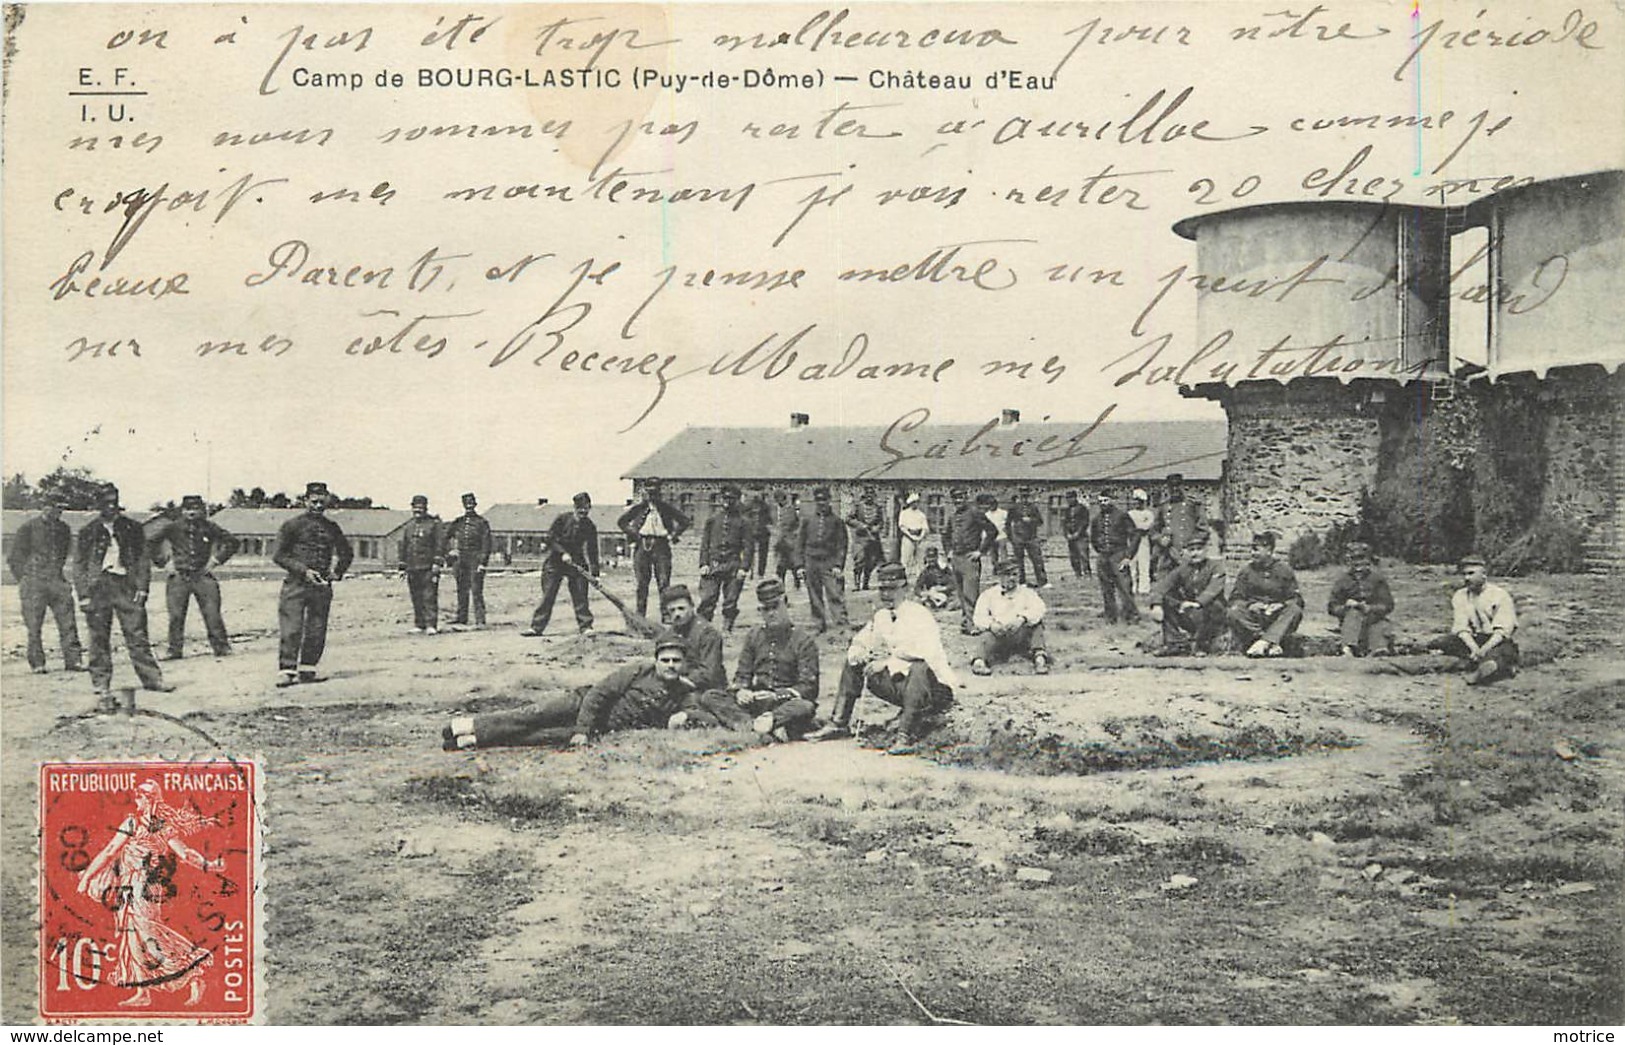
[
  {"x": 770, "y": 592},
  {"x": 674, "y": 593},
  {"x": 107, "y": 495},
  {"x": 891, "y": 575},
  {"x": 1007, "y": 568},
  {"x": 669, "y": 641},
  {"x": 192, "y": 500},
  {"x": 581, "y": 500},
  {"x": 651, "y": 483},
  {"x": 1199, "y": 540},
  {"x": 418, "y": 499},
  {"x": 958, "y": 493},
  {"x": 470, "y": 500},
  {"x": 730, "y": 490},
  {"x": 1472, "y": 560},
  {"x": 1175, "y": 477},
  {"x": 312, "y": 489},
  {"x": 983, "y": 499},
  {"x": 1265, "y": 538},
  {"x": 868, "y": 493},
  {"x": 1358, "y": 551},
  {"x": 821, "y": 494},
  {"x": 1105, "y": 495}
]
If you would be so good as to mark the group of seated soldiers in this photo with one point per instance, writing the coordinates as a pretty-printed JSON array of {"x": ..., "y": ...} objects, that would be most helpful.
[{"x": 898, "y": 655}]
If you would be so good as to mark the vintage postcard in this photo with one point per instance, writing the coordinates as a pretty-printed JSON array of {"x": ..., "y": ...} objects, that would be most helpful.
[{"x": 781, "y": 513}]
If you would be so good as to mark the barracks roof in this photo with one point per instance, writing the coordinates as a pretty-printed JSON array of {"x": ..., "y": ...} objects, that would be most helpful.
[
  {"x": 523, "y": 517},
  {"x": 1045, "y": 452},
  {"x": 355, "y": 522}
]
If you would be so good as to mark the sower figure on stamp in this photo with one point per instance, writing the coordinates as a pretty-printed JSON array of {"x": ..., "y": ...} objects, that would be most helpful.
[
  {"x": 468, "y": 549},
  {"x": 1266, "y": 606},
  {"x": 36, "y": 556},
  {"x": 644, "y": 695},
  {"x": 1188, "y": 601},
  {"x": 821, "y": 550},
  {"x": 726, "y": 547},
  {"x": 422, "y": 557},
  {"x": 1076, "y": 528},
  {"x": 652, "y": 526},
  {"x": 1011, "y": 620},
  {"x": 1115, "y": 541},
  {"x": 112, "y": 573},
  {"x": 775, "y": 690},
  {"x": 913, "y": 527},
  {"x": 1025, "y": 528},
  {"x": 760, "y": 518},
  {"x": 1483, "y": 619},
  {"x": 316, "y": 554},
  {"x": 572, "y": 551},
  {"x": 1362, "y": 602},
  {"x": 786, "y": 532},
  {"x": 702, "y": 643},
  {"x": 867, "y": 525},
  {"x": 196, "y": 545},
  {"x": 970, "y": 537},
  {"x": 1176, "y": 521},
  {"x": 898, "y": 655}
]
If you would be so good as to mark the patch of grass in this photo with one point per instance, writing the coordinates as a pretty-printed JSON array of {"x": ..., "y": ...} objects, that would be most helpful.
[
  {"x": 1085, "y": 840},
  {"x": 463, "y": 795},
  {"x": 1022, "y": 749}
]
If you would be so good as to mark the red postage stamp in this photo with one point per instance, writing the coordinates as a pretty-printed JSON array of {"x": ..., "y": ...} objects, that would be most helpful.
[{"x": 147, "y": 890}]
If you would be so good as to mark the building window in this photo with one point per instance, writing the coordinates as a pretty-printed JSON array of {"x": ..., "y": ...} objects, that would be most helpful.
[
  {"x": 935, "y": 512},
  {"x": 1056, "y": 517}
]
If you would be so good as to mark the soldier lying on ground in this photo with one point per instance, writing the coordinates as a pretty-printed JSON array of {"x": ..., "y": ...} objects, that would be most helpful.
[
  {"x": 637, "y": 696},
  {"x": 775, "y": 690}
]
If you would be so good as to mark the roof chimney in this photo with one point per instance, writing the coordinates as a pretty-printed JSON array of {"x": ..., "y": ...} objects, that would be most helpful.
[
  {"x": 1009, "y": 418},
  {"x": 799, "y": 420},
  {"x": 541, "y": 501}
]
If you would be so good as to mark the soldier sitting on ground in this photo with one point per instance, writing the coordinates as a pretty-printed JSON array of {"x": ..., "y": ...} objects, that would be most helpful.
[
  {"x": 1189, "y": 602},
  {"x": 702, "y": 642},
  {"x": 1361, "y": 602},
  {"x": 1266, "y": 606},
  {"x": 775, "y": 690},
  {"x": 1483, "y": 620},
  {"x": 935, "y": 586},
  {"x": 1011, "y": 620},
  {"x": 638, "y": 696},
  {"x": 899, "y": 655}
]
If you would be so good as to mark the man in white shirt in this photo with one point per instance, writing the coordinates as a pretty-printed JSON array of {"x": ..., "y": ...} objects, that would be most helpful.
[
  {"x": 1483, "y": 620},
  {"x": 899, "y": 655},
  {"x": 1011, "y": 620},
  {"x": 998, "y": 515},
  {"x": 912, "y": 529}
]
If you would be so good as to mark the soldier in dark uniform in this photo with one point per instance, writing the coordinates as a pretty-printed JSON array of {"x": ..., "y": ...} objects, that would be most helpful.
[
  {"x": 112, "y": 573},
  {"x": 1076, "y": 528},
  {"x": 786, "y": 531},
  {"x": 572, "y": 541},
  {"x": 1265, "y": 603},
  {"x": 821, "y": 552},
  {"x": 867, "y": 527},
  {"x": 1115, "y": 541},
  {"x": 422, "y": 557},
  {"x": 726, "y": 547},
  {"x": 775, "y": 690},
  {"x": 652, "y": 526},
  {"x": 639, "y": 696},
  {"x": 197, "y": 546},
  {"x": 468, "y": 547},
  {"x": 702, "y": 643},
  {"x": 1362, "y": 603},
  {"x": 36, "y": 556},
  {"x": 315, "y": 552},
  {"x": 760, "y": 517},
  {"x": 1025, "y": 528},
  {"x": 1188, "y": 601},
  {"x": 1176, "y": 521},
  {"x": 970, "y": 536}
]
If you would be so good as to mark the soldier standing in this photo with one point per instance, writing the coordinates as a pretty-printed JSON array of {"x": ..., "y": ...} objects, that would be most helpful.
[
  {"x": 197, "y": 546},
  {"x": 36, "y": 557},
  {"x": 1076, "y": 528},
  {"x": 422, "y": 556},
  {"x": 1176, "y": 521},
  {"x": 970, "y": 537},
  {"x": 1115, "y": 540},
  {"x": 651, "y": 527},
  {"x": 821, "y": 551},
  {"x": 760, "y": 517},
  {"x": 1025, "y": 528},
  {"x": 315, "y": 552},
  {"x": 867, "y": 525},
  {"x": 572, "y": 546},
  {"x": 726, "y": 547},
  {"x": 468, "y": 544},
  {"x": 786, "y": 531},
  {"x": 112, "y": 574}
]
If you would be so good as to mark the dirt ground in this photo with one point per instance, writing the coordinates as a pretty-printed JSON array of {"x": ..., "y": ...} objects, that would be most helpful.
[{"x": 1129, "y": 840}]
